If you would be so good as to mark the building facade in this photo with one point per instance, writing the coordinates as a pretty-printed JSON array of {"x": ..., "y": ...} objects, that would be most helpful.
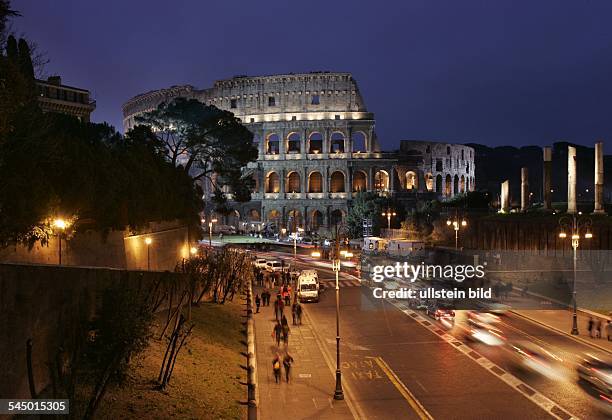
[
  {"x": 63, "y": 99},
  {"x": 318, "y": 148}
]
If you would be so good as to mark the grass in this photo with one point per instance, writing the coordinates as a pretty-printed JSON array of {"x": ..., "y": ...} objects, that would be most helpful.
[{"x": 206, "y": 380}]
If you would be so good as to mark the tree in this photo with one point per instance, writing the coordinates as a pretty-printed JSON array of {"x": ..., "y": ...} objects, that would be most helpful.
[
  {"x": 203, "y": 140},
  {"x": 366, "y": 205}
]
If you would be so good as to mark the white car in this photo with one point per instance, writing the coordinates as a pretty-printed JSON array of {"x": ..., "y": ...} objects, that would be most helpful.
[
  {"x": 274, "y": 266},
  {"x": 308, "y": 286},
  {"x": 260, "y": 263}
]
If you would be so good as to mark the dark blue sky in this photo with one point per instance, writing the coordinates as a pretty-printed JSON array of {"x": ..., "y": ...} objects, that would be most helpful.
[{"x": 502, "y": 72}]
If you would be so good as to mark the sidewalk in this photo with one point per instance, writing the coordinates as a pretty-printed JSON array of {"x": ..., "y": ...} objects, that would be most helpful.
[
  {"x": 310, "y": 393},
  {"x": 561, "y": 320}
]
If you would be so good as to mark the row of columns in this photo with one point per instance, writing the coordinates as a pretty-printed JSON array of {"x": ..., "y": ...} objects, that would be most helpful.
[{"x": 305, "y": 214}]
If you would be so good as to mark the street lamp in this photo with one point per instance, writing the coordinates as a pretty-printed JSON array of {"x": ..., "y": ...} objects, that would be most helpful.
[
  {"x": 338, "y": 394},
  {"x": 575, "y": 226},
  {"x": 388, "y": 214},
  {"x": 295, "y": 235},
  {"x": 456, "y": 224},
  {"x": 148, "y": 241},
  {"x": 193, "y": 251},
  {"x": 210, "y": 226},
  {"x": 61, "y": 225}
]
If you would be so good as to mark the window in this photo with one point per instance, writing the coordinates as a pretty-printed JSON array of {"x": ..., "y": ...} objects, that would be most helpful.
[
  {"x": 337, "y": 117},
  {"x": 428, "y": 149},
  {"x": 271, "y": 101},
  {"x": 315, "y": 100},
  {"x": 293, "y": 118},
  {"x": 252, "y": 120},
  {"x": 232, "y": 103},
  {"x": 462, "y": 157},
  {"x": 439, "y": 165},
  {"x": 448, "y": 150}
]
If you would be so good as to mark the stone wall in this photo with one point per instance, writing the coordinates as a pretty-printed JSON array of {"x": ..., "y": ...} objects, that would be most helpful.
[{"x": 49, "y": 305}]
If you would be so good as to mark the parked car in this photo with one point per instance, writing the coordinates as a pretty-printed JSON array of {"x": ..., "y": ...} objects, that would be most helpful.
[
  {"x": 260, "y": 263},
  {"x": 274, "y": 266}
]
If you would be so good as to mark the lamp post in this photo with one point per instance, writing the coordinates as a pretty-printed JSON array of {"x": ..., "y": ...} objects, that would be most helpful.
[
  {"x": 210, "y": 226},
  {"x": 338, "y": 393},
  {"x": 148, "y": 241},
  {"x": 388, "y": 214},
  {"x": 60, "y": 225},
  {"x": 295, "y": 235},
  {"x": 456, "y": 224},
  {"x": 575, "y": 226}
]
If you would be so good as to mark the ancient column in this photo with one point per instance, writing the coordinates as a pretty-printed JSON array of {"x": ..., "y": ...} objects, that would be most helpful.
[
  {"x": 546, "y": 182},
  {"x": 599, "y": 178},
  {"x": 571, "y": 180},
  {"x": 505, "y": 197},
  {"x": 524, "y": 189}
]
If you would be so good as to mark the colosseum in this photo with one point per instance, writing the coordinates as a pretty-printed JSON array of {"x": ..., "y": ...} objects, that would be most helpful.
[{"x": 318, "y": 148}]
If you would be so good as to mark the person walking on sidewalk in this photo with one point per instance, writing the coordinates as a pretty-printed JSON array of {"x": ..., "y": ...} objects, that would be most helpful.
[
  {"x": 285, "y": 328},
  {"x": 598, "y": 328},
  {"x": 276, "y": 368},
  {"x": 609, "y": 330},
  {"x": 287, "y": 361},
  {"x": 590, "y": 326},
  {"x": 278, "y": 308},
  {"x": 276, "y": 333},
  {"x": 257, "y": 302},
  {"x": 298, "y": 311},
  {"x": 294, "y": 312}
]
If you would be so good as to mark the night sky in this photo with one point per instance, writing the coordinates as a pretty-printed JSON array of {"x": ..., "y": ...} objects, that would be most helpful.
[{"x": 496, "y": 72}]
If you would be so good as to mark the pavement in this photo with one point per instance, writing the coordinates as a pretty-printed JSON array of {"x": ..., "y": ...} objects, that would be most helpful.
[{"x": 309, "y": 395}]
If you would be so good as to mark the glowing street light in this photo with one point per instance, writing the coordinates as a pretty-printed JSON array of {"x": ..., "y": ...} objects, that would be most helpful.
[
  {"x": 210, "y": 226},
  {"x": 60, "y": 225},
  {"x": 575, "y": 225},
  {"x": 316, "y": 254},
  {"x": 148, "y": 241},
  {"x": 193, "y": 250},
  {"x": 388, "y": 214},
  {"x": 456, "y": 224}
]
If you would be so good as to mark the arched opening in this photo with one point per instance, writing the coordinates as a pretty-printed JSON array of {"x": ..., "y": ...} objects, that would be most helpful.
[
  {"x": 294, "y": 220},
  {"x": 316, "y": 220},
  {"x": 233, "y": 219},
  {"x": 315, "y": 143},
  {"x": 448, "y": 187},
  {"x": 337, "y": 143},
  {"x": 429, "y": 182},
  {"x": 439, "y": 165},
  {"x": 254, "y": 184},
  {"x": 411, "y": 180},
  {"x": 272, "y": 183},
  {"x": 273, "y": 144},
  {"x": 293, "y": 183},
  {"x": 381, "y": 181},
  {"x": 456, "y": 185},
  {"x": 439, "y": 184},
  {"x": 253, "y": 215},
  {"x": 359, "y": 142},
  {"x": 315, "y": 182},
  {"x": 274, "y": 216},
  {"x": 360, "y": 181},
  {"x": 336, "y": 217},
  {"x": 336, "y": 182},
  {"x": 293, "y": 143},
  {"x": 462, "y": 184}
]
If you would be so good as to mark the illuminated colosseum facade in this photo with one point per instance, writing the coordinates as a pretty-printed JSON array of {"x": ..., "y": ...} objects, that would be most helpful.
[{"x": 318, "y": 148}]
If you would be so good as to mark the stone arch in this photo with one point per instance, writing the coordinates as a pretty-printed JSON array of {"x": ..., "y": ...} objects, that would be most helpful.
[
  {"x": 294, "y": 220},
  {"x": 293, "y": 182},
  {"x": 381, "y": 181},
  {"x": 360, "y": 181},
  {"x": 336, "y": 144},
  {"x": 272, "y": 183},
  {"x": 272, "y": 144},
  {"x": 456, "y": 184},
  {"x": 429, "y": 182},
  {"x": 359, "y": 141},
  {"x": 316, "y": 220},
  {"x": 462, "y": 183},
  {"x": 254, "y": 184},
  {"x": 233, "y": 218},
  {"x": 293, "y": 143},
  {"x": 411, "y": 180},
  {"x": 336, "y": 217},
  {"x": 315, "y": 182},
  {"x": 439, "y": 183},
  {"x": 274, "y": 216},
  {"x": 253, "y": 215},
  {"x": 448, "y": 188},
  {"x": 336, "y": 182},
  {"x": 315, "y": 143}
]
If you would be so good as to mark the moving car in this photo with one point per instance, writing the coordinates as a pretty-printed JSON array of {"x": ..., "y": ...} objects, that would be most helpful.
[
  {"x": 528, "y": 355},
  {"x": 440, "y": 311},
  {"x": 484, "y": 333},
  {"x": 274, "y": 266},
  {"x": 308, "y": 286},
  {"x": 484, "y": 317},
  {"x": 260, "y": 263},
  {"x": 598, "y": 373}
]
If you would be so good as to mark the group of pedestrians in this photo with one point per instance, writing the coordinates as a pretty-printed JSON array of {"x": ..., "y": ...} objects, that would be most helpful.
[{"x": 594, "y": 328}]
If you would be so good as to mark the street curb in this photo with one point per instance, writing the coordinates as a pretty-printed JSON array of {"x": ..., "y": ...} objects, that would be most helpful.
[
  {"x": 348, "y": 394},
  {"x": 252, "y": 389},
  {"x": 564, "y": 333}
]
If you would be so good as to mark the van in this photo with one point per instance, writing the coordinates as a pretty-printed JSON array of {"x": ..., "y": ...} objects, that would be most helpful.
[
  {"x": 308, "y": 286},
  {"x": 274, "y": 266}
]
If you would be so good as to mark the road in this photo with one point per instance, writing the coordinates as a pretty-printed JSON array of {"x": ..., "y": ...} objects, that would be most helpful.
[{"x": 394, "y": 363}]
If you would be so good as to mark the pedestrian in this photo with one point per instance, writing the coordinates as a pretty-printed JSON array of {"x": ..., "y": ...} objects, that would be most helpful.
[
  {"x": 277, "y": 309},
  {"x": 287, "y": 361},
  {"x": 294, "y": 312},
  {"x": 276, "y": 368},
  {"x": 590, "y": 326},
  {"x": 609, "y": 330},
  {"x": 287, "y": 299},
  {"x": 281, "y": 307},
  {"x": 286, "y": 330},
  {"x": 298, "y": 311},
  {"x": 267, "y": 292},
  {"x": 276, "y": 333},
  {"x": 598, "y": 328},
  {"x": 257, "y": 302}
]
